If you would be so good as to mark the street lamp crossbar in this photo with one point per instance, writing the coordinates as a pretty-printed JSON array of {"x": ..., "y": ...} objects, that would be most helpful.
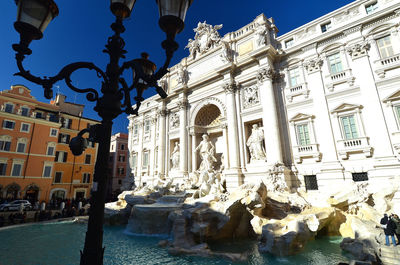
[{"x": 33, "y": 17}]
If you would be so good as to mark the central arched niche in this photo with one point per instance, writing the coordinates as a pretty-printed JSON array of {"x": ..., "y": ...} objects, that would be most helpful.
[
  {"x": 207, "y": 121},
  {"x": 209, "y": 115}
]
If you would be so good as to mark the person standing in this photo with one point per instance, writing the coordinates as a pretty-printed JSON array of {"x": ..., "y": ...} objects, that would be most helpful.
[
  {"x": 396, "y": 220},
  {"x": 388, "y": 227}
]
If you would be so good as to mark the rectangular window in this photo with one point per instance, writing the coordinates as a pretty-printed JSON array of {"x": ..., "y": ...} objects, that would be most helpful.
[
  {"x": 289, "y": 43},
  {"x": 25, "y": 127},
  {"x": 371, "y": 7},
  {"x": 325, "y": 27},
  {"x": 134, "y": 160},
  {"x": 145, "y": 159},
  {"x": 47, "y": 171},
  {"x": 121, "y": 158},
  {"x": 58, "y": 177},
  {"x": 5, "y": 145},
  {"x": 61, "y": 156},
  {"x": 86, "y": 178},
  {"x": 8, "y": 124},
  {"x": 119, "y": 182},
  {"x": 3, "y": 168},
  {"x": 122, "y": 147},
  {"x": 16, "y": 170},
  {"x": 294, "y": 77},
  {"x": 53, "y": 132},
  {"x": 303, "y": 134},
  {"x": 53, "y": 117},
  {"x": 311, "y": 182},
  {"x": 87, "y": 159},
  {"x": 135, "y": 130},
  {"x": 385, "y": 47},
  {"x": 39, "y": 115},
  {"x": 147, "y": 126},
  {"x": 121, "y": 171},
  {"x": 349, "y": 127},
  {"x": 21, "y": 147},
  {"x": 50, "y": 150},
  {"x": 9, "y": 108},
  {"x": 335, "y": 63},
  {"x": 63, "y": 138},
  {"x": 25, "y": 111},
  {"x": 362, "y": 176}
]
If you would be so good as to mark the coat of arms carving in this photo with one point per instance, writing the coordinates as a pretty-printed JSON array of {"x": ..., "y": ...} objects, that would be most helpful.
[{"x": 206, "y": 38}]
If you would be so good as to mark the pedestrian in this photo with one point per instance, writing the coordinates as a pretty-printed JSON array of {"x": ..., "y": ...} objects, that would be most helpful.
[
  {"x": 396, "y": 220},
  {"x": 388, "y": 227}
]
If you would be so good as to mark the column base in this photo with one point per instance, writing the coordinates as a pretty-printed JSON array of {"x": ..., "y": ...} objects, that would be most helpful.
[{"x": 233, "y": 178}]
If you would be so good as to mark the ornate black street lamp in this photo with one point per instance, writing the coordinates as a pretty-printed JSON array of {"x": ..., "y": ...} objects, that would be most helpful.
[{"x": 32, "y": 19}]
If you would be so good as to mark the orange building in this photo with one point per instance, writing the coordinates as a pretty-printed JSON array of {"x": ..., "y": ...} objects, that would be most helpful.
[
  {"x": 73, "y": 175},
  {"x": 34, "y": 140},
  {"x": 28, "y": 140}
]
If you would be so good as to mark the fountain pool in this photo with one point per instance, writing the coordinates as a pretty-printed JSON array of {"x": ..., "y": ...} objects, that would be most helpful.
[{"x": 59, "y": 244}]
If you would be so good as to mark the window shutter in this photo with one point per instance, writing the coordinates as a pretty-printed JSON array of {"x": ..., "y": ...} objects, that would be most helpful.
[
  {"x": 67, "y": 141},
  {"x": 65, "y": 157},
  {"x": 56, "y": 158},
  {"x": 7, "y": 147}
]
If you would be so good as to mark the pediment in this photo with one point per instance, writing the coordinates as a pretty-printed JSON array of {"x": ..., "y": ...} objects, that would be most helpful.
[
  {"x": 393, "y": 97},
  {"x": 332, "y": 46},
  {"x": 301, "y": 117},
  {"x": 346, "y": 107},
  {"x": 380, "y": 28}
]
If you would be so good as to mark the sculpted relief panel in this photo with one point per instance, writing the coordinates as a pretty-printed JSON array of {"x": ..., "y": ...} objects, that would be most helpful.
[{"x": 250, "y": 96}]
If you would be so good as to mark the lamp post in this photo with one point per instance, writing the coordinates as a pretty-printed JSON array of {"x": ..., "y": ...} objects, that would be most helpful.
[{"x": 32, "y": 19}]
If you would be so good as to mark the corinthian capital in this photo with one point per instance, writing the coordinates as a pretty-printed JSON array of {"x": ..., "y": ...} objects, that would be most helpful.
[
  {"x": 182, "y": 104},
  {"x": 162, "y": 112},
  {"x": 230, "y": 87},
  {"x": 265, "y": 73},
  {"x": 313, "y": 65},
  {"x": 358, "y": 50}
]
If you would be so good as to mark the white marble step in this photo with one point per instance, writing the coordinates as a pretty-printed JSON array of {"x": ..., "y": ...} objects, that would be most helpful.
[{"x": 389, "y": 255}]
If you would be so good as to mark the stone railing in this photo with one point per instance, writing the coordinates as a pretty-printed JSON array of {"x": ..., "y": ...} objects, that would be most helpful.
[
  {"x": 385, "y": 64},
  {"x": 357, "y": 145},
  {"x": 342, "y": 77},
  {"x": 300, "y": 89},
  {"x": 306, "y": 151}
]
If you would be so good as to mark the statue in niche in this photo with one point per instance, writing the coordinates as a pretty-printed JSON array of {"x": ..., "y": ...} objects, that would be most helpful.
[
  {"x": 207, "y": 150},
  {"x": 255, "y": 144},
  {"x": 175, "y": 156}
]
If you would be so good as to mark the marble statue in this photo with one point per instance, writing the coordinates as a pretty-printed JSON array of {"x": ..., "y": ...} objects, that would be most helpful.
[
  {"x": 255, "y": 144},
  {"x": 174, "y": 122},
  {"x": 175, "y": 156},
  {"x": 206, "y": 149},
  {"x": 227, "y": 53},
  {"x": 183, "y": 77},
  {"x": 261, "y": 34}
]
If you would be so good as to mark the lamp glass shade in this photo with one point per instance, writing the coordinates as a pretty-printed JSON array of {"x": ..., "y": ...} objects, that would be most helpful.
[
  {"x": 37, "y": 13},
  {"x": 122, "y": 8},
  {"x": 177, "y": 8}
]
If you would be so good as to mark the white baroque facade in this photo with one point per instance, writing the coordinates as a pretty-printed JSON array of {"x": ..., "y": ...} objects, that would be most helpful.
[{"x": 323, "y": 102}]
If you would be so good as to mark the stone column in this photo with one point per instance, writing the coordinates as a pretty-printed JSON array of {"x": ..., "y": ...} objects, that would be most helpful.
[
  {"x": 233, "y": 173},
  {"x": 139, "y": 155},
  {"x": 194, "y": 155},
  {"x": 270, "y": 116},
  {"x": 152, "y": 158},
  {"x": 162, "y": 113},
  {"x": 226, "y": 150},
  {"x": 183, "y": 139}
]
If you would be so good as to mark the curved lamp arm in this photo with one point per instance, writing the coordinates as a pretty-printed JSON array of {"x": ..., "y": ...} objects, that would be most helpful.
[{"x": 65, "y": 73}]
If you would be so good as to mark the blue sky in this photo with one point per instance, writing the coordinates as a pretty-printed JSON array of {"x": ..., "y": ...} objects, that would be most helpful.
[{"x": 81, "y": 30}]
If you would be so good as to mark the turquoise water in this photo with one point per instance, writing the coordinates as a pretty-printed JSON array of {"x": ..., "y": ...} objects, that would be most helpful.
[{"x": 59, "y": 244}]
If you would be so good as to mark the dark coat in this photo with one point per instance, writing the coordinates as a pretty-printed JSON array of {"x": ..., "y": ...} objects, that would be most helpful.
[
  {"x": 397, "y": 222},
  {"x": 390, "y": 227}
]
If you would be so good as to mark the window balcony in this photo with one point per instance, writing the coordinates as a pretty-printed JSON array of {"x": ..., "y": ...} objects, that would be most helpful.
[
  {"x": 357, "y": 145},
  {"x": 386, "y": 64},
  {"x": 298, "y": 90},
  {"x": 306, "y": 151},
  {"x": 342, "y": 77}
]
